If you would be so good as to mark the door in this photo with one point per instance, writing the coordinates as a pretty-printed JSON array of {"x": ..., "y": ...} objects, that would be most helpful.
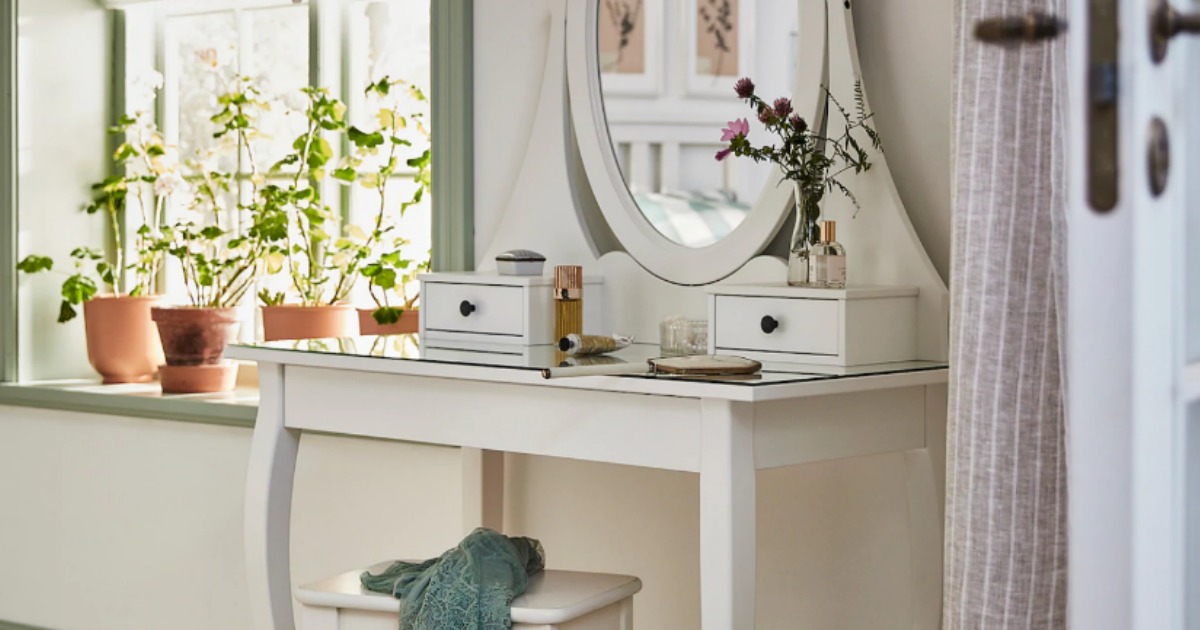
[{"x": 1133, "y": 322}]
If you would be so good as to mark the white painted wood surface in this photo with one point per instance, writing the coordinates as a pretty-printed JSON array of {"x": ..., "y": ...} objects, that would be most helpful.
[
  {"x": 724, "y": 438},
  {"x": 269, "y": 504},
  {"x": 727, "y": 515},
  {"x": 483, "y": 489}
]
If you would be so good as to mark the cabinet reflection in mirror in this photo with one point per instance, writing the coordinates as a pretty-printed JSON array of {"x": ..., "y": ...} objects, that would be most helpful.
[{"x": 667, "y": 70}]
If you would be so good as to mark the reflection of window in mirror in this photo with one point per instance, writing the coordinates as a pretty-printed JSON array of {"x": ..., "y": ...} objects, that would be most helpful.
[{"x": 668, "y": 96}]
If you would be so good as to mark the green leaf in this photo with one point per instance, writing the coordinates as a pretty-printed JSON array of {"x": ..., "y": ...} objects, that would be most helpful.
[
  {"x": 286, "y": 161},
  {"x": 105, "y": 271},
  {"x": 124, "y": 152},
  {"x": 385, "y": 279},
  {"x": 387, "y": 314},
  {"x": 86, "y": 253},
  {"x": 361, "y": 138},
  {"x": 212, "y": 232},
  {"x": 65, "y": 313},
  {"x": 34, "y": 264},
  {"x": 314, "y": 215},
  {"x": 421, "y": 161},
  {"x": 345, "y": 174},
  {"x": 270, "y": 299},
  {"x": 319, "y": 152},
  {"x": 78, "y": 289}
]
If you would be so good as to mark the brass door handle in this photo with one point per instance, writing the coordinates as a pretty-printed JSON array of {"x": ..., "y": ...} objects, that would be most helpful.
[
  {"x": 1034, "y": 26},
  {"x": 1167, "y": 23}
]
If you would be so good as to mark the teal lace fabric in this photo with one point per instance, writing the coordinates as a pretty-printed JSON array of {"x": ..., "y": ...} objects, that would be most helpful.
[{"x": 470, "y": 587}]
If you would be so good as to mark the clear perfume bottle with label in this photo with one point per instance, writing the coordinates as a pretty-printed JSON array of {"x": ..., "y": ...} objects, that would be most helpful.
[{"x": 828, "y": 268}]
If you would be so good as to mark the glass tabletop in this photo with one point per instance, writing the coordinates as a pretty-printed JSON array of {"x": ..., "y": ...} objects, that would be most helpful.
[{"x": 541, "y": 358}]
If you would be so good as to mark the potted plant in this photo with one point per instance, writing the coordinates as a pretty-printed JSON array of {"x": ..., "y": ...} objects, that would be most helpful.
[
  {"x": 122, "y": 343},
  {"x": 810, "y": 159},
  {"x": 389, "y": 271},
  {"x": 321, "y": 256},
  {"x": 220, "y": 259}
]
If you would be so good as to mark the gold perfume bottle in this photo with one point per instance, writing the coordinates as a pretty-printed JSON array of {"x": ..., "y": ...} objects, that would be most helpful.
[{"x": 568, "y": 301}]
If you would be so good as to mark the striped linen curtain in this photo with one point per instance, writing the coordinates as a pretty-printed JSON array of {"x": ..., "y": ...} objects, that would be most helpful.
[{"x": 1006, "y": 495}]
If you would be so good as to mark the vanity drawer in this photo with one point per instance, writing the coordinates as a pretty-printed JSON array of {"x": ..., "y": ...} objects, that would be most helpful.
[
  {"x": 508, "y": 310},
  {"x": 474, "y": 308},
  {"x": 859, "y": 325},
  {"x": 768, "y": 324}
]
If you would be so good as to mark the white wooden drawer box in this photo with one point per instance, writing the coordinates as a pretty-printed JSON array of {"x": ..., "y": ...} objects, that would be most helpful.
[
  {"x": 495, "y": 309},
  {"x": 845, "y": 327}
]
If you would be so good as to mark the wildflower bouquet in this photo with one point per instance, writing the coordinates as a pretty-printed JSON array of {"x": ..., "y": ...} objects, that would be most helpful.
[{"x": 809, "y": 158}]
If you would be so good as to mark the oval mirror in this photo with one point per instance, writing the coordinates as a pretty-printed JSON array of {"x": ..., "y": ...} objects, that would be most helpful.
[{"x": 658, "y": 77}]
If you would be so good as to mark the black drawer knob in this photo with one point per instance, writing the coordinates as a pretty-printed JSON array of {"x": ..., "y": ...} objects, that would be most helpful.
[
  {"x": 466, "y": 308},
  {"x": 769, "y": 324}
]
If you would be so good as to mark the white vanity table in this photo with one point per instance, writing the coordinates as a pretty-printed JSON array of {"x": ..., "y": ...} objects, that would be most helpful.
[
  {"x": 724, "y": 431},
  {"x": 570, "y": 201}
]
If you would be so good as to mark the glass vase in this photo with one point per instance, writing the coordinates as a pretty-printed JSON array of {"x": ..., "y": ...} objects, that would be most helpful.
[{"x": 804, "y": 236}]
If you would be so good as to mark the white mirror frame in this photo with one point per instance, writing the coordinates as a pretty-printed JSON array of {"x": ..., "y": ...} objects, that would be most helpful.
[{"x": 659, "y": 255}]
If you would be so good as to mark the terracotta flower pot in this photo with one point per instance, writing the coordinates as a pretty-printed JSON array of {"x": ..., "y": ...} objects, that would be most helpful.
[
  {"x": 193, "y": 341},
  {"x": 292, "y": 321},
  {"x": 410, "y": 322},
  {"x": 195, "y": 336},
  {"x": 198, "y": 379},
  {"x": 122, "y": 341}
]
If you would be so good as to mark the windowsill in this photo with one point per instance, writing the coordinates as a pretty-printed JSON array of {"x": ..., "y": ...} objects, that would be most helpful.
[{"x": 140, "y": 400}]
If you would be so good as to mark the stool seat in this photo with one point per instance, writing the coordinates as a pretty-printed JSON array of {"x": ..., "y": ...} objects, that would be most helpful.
[{"x": 552, "y": 597}]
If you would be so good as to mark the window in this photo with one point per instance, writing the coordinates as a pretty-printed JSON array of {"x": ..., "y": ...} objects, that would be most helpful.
[{"x": 194, "y": 44}]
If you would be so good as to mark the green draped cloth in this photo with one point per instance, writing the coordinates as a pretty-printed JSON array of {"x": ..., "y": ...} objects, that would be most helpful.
[{"x": 470, "y": 587}]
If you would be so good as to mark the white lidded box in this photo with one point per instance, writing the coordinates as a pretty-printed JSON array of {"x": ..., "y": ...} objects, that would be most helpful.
[
  {"x": 845, "y": 327},
  {"x": 495, "y": 309}
]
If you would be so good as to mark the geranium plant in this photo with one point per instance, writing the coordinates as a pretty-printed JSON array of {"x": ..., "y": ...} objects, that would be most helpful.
[
  {"x": 220, "y": 259},
  {"x": 147, "y": 177},
  {"x": 382, "y": 258},
  {"x": 809, "y": 158},
  {"x": 321, "y": 255}
]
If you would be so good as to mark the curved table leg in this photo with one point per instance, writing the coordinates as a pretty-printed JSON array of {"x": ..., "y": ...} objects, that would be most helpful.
[{"x": 269, "y": 506}]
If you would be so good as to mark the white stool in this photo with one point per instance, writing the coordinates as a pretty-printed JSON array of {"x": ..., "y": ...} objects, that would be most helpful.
[{"x": 554, "y": 600}]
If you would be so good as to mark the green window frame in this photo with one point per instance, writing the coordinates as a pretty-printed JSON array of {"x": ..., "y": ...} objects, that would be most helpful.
[{"x": 453, "y": 187}]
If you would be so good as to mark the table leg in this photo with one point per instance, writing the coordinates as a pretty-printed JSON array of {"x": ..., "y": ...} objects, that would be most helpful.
[
  {"x": 924, "y": 474},
  {"x": 269, "y": 506},
  {"x": 482, "y": 489},
  {"x": 727, "y": 515}
]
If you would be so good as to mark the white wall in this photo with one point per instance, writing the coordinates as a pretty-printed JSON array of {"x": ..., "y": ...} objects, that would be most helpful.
[
  {"x": 132, "y": 524},
  {"x": 907, "y": 54},
  {"x": 139, "y": 523}
]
